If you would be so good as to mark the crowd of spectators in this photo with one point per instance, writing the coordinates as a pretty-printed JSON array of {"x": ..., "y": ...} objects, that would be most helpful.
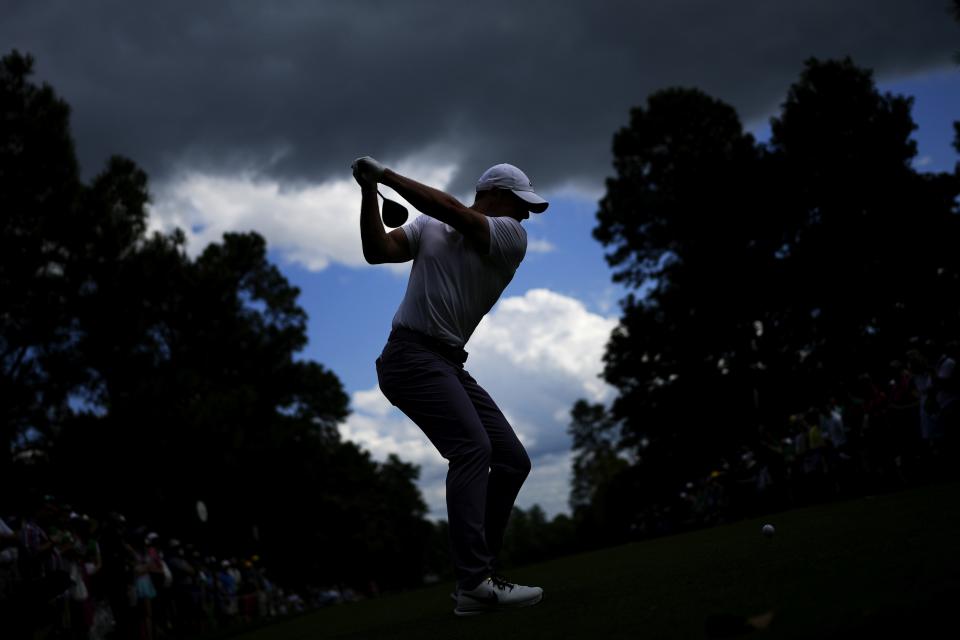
[
  {"x": 66, "y": 575},
  {"x": 886, "y": 430}
]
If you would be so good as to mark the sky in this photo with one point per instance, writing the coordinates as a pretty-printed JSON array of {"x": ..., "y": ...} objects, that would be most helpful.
[{"x": 247, "y": 116}]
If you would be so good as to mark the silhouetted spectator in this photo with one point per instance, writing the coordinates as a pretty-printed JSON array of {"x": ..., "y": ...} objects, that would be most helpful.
[
  {"x": 815, "y": 461},
  {"x": 41, "y": 567},
  {"x": 798, "y": 439},
  {"x": 771, "y": 457},
  {"x": 226, "y": 592},
  {"x": 208, "y": 592},
  {"x": 73, "y": 549},
  {"x": 831, "y": 425},
  {"x": 904, "y": 420},
  {"x": 162, "y": 582},
  {"x": 924, "y": 381},
  {"x": 838, "y": 450},
  {"x": 948, "y": 399},
  {"x": 144, "y": 590},
  {"x": 116, "y": 576},
  {"x": 875, "y": 435},
  {"x": 184, "y": 593},
  {"x": 9, "y": 573}
]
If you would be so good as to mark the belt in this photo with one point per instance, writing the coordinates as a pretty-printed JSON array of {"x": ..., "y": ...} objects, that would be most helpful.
[{"x": 450, "y": 352}]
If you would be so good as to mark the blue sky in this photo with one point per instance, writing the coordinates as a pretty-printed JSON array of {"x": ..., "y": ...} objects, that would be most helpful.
[{"x": 936, "y": 107}]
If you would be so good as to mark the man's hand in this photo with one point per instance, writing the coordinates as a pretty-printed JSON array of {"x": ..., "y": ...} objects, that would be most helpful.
[
  {"x": 365, "y": 185},
  {"x": 368, "y": 170},
  {"x": 378, "y": 246}
]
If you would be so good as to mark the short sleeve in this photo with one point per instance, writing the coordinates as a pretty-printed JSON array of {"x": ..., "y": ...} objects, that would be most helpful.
[
  {"x": 413, "y": 230},
  {"x": 508, "y": 240}
]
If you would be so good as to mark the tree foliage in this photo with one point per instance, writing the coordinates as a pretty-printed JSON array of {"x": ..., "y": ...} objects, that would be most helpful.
[
  {"x": 38, "y": 189},
  {"x": 151, "y": 380},
  {"x": 763, "y": 275}
]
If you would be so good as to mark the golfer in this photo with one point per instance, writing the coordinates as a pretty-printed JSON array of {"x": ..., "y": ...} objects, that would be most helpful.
[{"x": 463, "y": 258}]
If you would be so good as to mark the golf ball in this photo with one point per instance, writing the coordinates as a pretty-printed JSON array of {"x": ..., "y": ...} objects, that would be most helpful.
[{"x": 768, "y": 530}]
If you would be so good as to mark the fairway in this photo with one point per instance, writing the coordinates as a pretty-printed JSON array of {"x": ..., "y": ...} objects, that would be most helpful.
[{"x": 886, "y": 563}]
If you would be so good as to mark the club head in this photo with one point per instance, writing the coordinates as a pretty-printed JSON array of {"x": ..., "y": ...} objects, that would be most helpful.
[{"x": 393, "y": 213}]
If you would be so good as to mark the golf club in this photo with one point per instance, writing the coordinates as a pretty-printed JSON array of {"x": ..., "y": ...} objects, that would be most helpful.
[{"x": 394, "y": 214}]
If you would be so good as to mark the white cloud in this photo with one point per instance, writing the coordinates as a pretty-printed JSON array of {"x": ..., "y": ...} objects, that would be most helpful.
[
  {"x": 391, "y": 433},
  {"x": 550, "y": 337},
  {"x": 549, "y": 483},
  {"x": 540, "y": 245},
  {"x": 312, "y": 225},
  {"x": 371, "y": 402},
  {"x": 536, "y": 354}
]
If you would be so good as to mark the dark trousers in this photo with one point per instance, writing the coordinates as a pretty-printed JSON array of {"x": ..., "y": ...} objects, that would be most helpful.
[{"x": 487, "y": 463}]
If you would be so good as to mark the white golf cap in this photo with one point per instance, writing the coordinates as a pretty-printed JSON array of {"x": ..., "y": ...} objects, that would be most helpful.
[{"x": 507, "y": 176}]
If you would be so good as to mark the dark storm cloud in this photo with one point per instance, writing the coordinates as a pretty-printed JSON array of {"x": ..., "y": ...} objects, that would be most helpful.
[{"x": 297, "y": 89}]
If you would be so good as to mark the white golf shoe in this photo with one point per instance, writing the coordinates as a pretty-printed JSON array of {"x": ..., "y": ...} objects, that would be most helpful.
[{"x": 495, "y": 593}]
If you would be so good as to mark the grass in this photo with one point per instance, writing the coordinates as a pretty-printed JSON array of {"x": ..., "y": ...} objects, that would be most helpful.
[{"x": 880, "y": 566}]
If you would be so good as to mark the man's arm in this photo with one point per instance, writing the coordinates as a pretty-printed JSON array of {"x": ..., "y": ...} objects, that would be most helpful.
[
  {"x": 442, "y": 206},
  {"x": 378, "y": 245}
]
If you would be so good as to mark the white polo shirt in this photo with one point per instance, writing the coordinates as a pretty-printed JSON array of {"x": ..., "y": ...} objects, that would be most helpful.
[{"x": 453, "y": 285}]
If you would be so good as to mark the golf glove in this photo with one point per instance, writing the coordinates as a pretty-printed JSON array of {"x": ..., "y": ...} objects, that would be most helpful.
[{"x": 368, "y": 169}]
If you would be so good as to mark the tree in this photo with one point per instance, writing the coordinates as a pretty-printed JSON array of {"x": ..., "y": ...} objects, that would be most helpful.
[
  {"x": 530, "y": 537},
  {"x": 763, "y": 276},
  {"x": 684, "y": 224},
  {"x": 151, "y": 380},
  {"x": 868, "y": 245},
  {"x": 38, "y": 241},
  {"x": 596, "y": 461}
]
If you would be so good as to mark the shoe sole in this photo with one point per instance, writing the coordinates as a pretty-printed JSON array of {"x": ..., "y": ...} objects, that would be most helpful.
[{"x": 499, "y": 607}]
